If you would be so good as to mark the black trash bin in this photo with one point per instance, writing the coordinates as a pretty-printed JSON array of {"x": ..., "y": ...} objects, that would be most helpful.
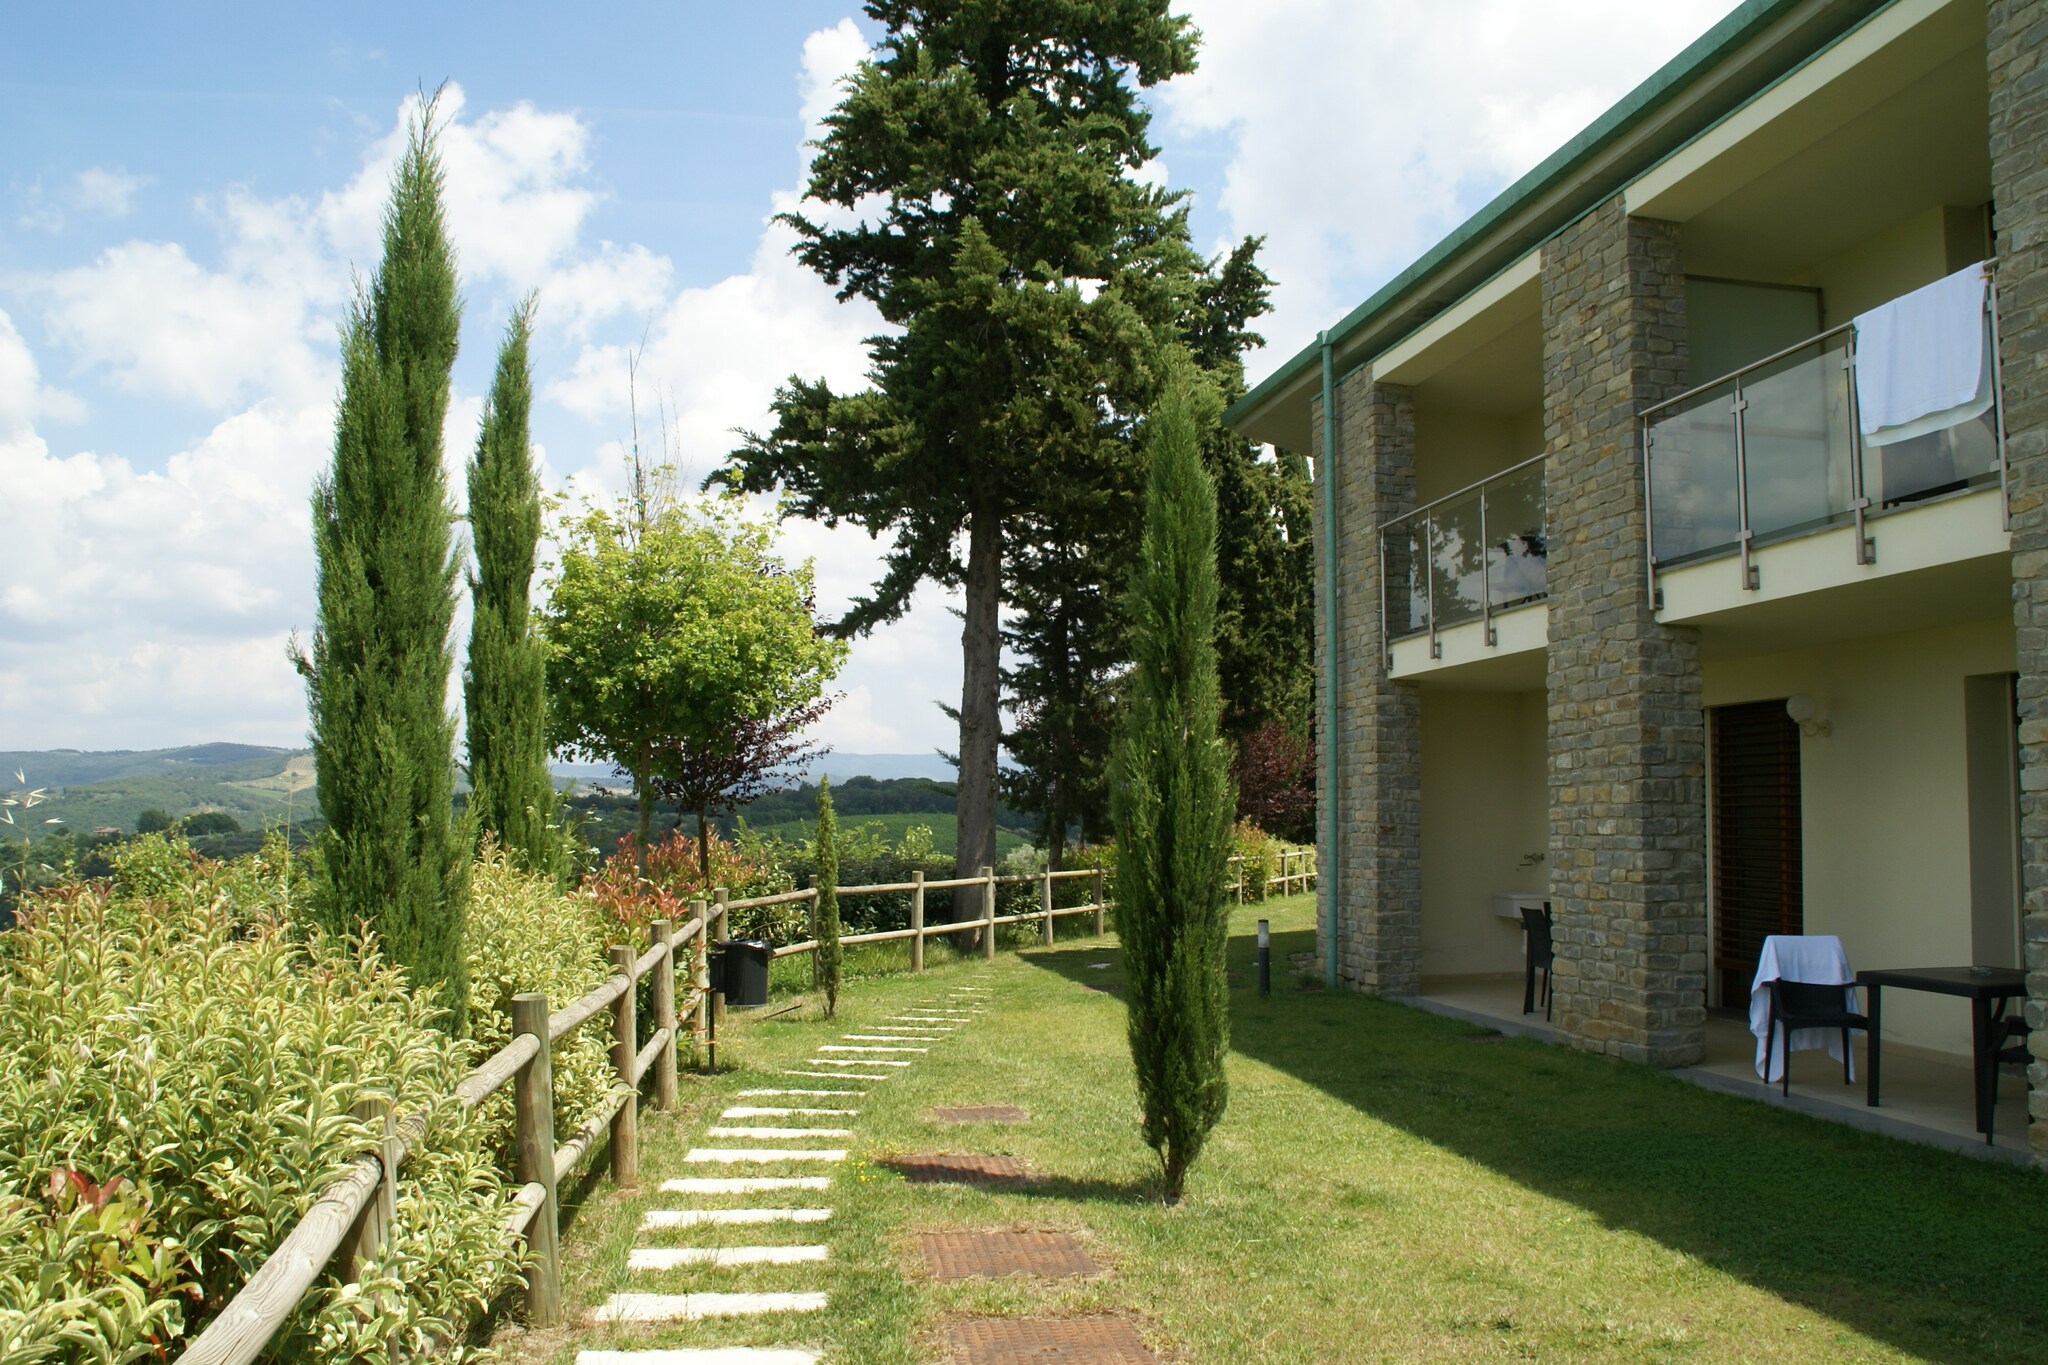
[{"x": 739, "y": 968}]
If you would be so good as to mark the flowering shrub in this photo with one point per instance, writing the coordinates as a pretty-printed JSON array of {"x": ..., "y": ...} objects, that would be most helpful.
[
  {"x": 1258, "y": 853},
  {"x": 179, "y": 1059},
  {"x": 746, "y": 866}
]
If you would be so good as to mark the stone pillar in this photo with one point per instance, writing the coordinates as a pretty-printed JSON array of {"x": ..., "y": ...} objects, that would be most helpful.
[
  {"x": 1379, "y": 862},
  {"x": 2019, "y": 196},
  {"x": 1627, "y": 732}
]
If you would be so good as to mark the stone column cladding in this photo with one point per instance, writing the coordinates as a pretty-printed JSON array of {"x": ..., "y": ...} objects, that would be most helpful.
[
  {"x": 1379, "y": 807},
  {"x": 1627, "y": 733},
  {"x": 2018, "y": 83}
]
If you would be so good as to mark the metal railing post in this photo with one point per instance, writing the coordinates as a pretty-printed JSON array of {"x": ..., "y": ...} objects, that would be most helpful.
[
  {"x": 917, "y": 920},
  {"x": 1649, "y": 522},
  {"x": 663, "y": 932},
  {"x": 1485, "y": 578},
  {"x": 533, "y": 1120},
  {"x": 1436, "y": 646},
  {"x": 1739, "y": 409},
  {"x": 625, "y": 1123}
]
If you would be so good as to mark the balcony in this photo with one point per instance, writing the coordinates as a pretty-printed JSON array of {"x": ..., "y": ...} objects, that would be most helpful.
[
  {"x": 1451, "y": 568},
  {"x": 1776, "y": 452}
]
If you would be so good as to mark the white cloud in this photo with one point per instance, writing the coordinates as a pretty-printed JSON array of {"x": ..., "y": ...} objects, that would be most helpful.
[
  {"x": 628, "y": 281},
  {"x": 109, "y": 193},
  {"x": 1361, "y": 133}
]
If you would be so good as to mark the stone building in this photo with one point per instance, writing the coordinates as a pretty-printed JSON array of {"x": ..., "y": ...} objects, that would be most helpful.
[{"x": 1641, "y": 590}]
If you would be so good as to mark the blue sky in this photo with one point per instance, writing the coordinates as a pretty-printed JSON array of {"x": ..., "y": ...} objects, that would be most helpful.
[{"x": 187, "y": 189}]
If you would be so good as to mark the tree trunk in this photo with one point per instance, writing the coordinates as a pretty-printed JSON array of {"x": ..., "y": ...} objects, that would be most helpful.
[
  {"x": 981, "y": 656},
  {"x": 643, "y": 787},
  {"x": 703, "y": 850}
]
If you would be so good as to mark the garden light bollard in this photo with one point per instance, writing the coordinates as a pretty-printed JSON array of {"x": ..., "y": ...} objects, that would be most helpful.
[
  {"x": 533, "y": 1118},
  {"x": 1096, "y": 891},
  {"x": 917, "y": 920},
  {"x": 625, "y": 1123},
  {"x": 663, "y": 932},
  {"x": 1265, "y": 959},
  {"x": 1045, "y": 901},
  {"x": 988, "y": 913}
]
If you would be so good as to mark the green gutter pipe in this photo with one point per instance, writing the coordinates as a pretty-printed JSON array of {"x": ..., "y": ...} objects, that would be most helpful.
[{"x": 1327, "y": 883}]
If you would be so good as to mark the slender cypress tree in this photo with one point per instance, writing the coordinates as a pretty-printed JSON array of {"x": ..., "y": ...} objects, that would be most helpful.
[
  {"x": 383, "y": 533},
  {"x": 505, "y": 690},
  {"x": 1172, "y": 802},
  {"x": 827, "y": 882}
]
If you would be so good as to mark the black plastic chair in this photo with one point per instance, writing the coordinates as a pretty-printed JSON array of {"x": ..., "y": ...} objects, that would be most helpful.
[
  {"x": 1805, "y": 1004},
  {"x": 1541, "y": 954},
  {"x": 2008, "y": 1046}
]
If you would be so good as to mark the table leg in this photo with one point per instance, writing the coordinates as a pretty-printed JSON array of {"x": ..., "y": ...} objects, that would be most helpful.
[
  {"x": 1980, "y": 1057},
  {"x": 1871, "y": 1054}
]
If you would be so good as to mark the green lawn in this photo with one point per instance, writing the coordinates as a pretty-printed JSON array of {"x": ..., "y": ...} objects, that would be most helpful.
[{"x": 1387, "y": 1185}]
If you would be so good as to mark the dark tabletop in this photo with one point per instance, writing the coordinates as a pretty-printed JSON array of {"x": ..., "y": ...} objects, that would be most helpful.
[{"x": 1982, "y": 984}]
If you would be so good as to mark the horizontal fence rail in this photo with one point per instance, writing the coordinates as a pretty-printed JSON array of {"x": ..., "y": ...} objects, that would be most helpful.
[{"x": 349, "y": 1219}]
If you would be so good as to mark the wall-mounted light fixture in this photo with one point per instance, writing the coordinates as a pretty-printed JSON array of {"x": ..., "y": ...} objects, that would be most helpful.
[{"x": 1806, "y": 714}]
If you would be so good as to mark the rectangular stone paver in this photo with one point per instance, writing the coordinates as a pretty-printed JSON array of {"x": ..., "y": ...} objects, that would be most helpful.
[
  {"x": 672, "y": 1258},
  {"x": 890, "y": 1037},
  {"x": 655, "y": 1219},
  {"x": 852, "y": 1061},
  {"x": 745, "y": 1156},
  {"x": 688, "y": 1307},
  {"x": 770, "y": 1111},
  {"x": 701, "y": 1355},
  {"x": 744, "y": 1184},
  {"x": 854, "y": 1093},
  {"x": 746, "y": 1132},
  {"x": 841, "y": 1076},
  {"x": 984, "y": 1255},
  {"x": 856, "y": 1047},
  {"x": 1044, "y": 1341}
]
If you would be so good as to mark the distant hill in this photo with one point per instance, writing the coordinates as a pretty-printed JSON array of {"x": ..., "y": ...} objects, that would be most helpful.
[
  {"x": 93, "y": 789},
  {"x": 838, "y": 766}
]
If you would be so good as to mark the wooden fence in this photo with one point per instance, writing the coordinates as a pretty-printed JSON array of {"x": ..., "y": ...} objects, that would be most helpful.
[
  {"x": 1297, "y": 872},
  {"x": 348, "y": 1222}
]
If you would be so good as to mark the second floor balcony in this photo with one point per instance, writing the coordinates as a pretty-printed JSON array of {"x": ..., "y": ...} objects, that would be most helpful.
[{"x": 1465, "y": 559}]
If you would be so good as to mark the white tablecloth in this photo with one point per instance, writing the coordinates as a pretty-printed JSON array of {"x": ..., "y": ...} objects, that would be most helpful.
[{"x": 1817, "y": 958}]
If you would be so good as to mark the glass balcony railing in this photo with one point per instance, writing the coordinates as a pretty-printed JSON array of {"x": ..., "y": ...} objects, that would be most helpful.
[
  {"x": 1466, "y": 556},
  {"x": 1775, "y": 450}
]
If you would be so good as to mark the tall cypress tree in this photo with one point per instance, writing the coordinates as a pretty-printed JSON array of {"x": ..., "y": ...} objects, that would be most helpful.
[
  {"x": 1172, "y": 802},
  {"x": 827, "y": 959},
  {"x": 383, "y": 533},
  {"x": 504, "y": 692}
]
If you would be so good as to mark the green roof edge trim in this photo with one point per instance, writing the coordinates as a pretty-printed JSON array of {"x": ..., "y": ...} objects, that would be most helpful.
[{"x": 1703, "y": 52}]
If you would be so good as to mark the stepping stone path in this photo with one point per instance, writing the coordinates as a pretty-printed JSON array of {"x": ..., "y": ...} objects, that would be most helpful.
[{"x": 792, "y": 1116}]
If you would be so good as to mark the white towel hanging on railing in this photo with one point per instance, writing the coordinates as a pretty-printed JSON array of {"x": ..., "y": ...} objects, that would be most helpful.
[{"x": 1923, "y": 360}]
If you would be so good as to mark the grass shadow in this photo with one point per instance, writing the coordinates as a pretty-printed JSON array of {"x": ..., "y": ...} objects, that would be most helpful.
[{"x": 1932, "y": 1253}]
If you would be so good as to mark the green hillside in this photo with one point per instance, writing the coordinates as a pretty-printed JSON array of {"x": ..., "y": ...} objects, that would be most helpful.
[{"x": 94, "y": 790}]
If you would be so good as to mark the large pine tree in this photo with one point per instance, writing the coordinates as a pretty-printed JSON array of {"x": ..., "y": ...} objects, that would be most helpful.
[
  {"x": 511, "y": 793},
  {"x": 1172, "y": 803},
  {"x": 1029, "y": 279},
  {"x": 383, "y": 534}
]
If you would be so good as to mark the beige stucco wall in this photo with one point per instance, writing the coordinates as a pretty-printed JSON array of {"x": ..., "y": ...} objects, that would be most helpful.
[
  {"x": 1907, "y": 255},
  {"x": 1886, "y": 801},
  {"x": 1483, "y": 794},
  {"x": 1455, "y": 449}
]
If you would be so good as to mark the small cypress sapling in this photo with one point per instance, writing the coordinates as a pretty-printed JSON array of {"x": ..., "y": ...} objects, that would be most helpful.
[
  {"x": 1172, "y": 802},
  {"x": 827, "y": 882}
]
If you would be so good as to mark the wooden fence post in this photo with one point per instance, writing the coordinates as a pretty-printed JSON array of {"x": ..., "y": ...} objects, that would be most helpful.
[
  {"x": 917, "y": 920},
  {"x": 1045, "y": 901},
  {"x": 625, "y": 1123},
  {"x": 1097, "y": 893},
  {"x": 719, "y": 896},
  {"x": 988, "y": 912},
  {"x": 373, "y": 1224},
  {"x": 664, "y": 932},
  {"x": 533, "y": 1116},
  {"x": 700, "y": 979}
]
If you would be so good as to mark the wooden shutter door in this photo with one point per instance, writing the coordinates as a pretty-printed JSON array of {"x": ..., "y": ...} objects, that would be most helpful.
[{"x": 1757, "y": 866}]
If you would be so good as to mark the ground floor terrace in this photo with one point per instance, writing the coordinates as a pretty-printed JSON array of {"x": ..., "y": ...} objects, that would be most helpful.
[{"x": 1385, "y": 1185}]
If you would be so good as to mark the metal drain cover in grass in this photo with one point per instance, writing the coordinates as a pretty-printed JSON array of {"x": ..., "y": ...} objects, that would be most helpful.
[
  {"x": 923, "y": 1168},
  {"x": 980, "y": 1113},
  {"x": 1043, "y": 1341},
  {"x": 983, "y": 1255}
]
